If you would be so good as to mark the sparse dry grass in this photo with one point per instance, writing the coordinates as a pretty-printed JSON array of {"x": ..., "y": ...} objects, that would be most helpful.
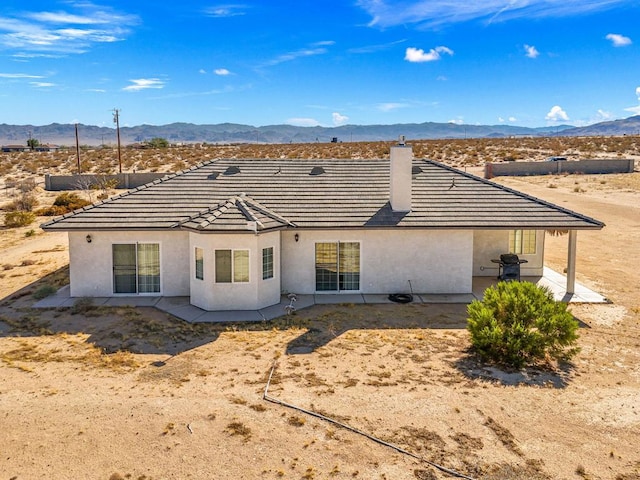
[{"x": 19, "y": 166}]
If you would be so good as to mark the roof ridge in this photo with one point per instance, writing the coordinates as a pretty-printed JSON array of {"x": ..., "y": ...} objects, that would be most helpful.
[
  {"x": 247, "y": 213},
  {"x": 268, "y": 212}
]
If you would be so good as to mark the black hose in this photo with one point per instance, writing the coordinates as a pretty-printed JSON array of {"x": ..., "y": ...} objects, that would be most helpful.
[{"x": 401, "y": 297}]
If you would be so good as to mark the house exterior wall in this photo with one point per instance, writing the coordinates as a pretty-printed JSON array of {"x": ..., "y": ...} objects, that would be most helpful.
[
  {"x": 252, "y": 295},
  {"x": 91, "y": 264},
  {"x": 434, "y": 261},
  {"x": 490, "y": 244}
]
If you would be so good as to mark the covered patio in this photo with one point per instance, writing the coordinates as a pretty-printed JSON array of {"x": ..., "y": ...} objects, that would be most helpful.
[{"x": 181, "y": 307}]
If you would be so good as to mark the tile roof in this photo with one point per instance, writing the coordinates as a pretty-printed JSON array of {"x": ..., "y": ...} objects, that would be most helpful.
[{"x": 225, "y": 194}]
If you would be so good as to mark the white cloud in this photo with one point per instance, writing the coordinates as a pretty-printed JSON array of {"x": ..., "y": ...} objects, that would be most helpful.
[
  {"x": 513, "y": 119},
  {"x": 375, "y": 48},
  {"x": 19, "y": 75},
  {"x": 287, "y": 57},
  {"x": 324, "y": 43},
  {"x": 339, "y": 119},
  {"x": 532, "y": 52},
  {"x": 42, "y": 84},
  {"x": 223, "y": 11},
  {"x": 433, "y": 13},
  {"x": 221, "y": 71},
  {"x": 138, "y": 84},
  {"x": 603, "y": 115},
  {"x": 63, "y": 32},
  {"x": 417, "y": 55},
  {"x": 303, "y": 122},
  {"x": 202, "y": 71},
  {"x": 457, "y": 121},
  {"x": 389, "y": 106},
  {"x": 556, "y": 114},
  {"x": 618, "y": 40},
  {"x": 635, "y": 110}
]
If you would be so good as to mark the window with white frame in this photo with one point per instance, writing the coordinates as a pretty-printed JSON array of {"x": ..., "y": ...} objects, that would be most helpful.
[
  {"x": 136, "y": 267},
  {"x": 522, "y": 242},
  {"x": 232, "y": 266},
  {"x": 267, "y": 263},
  {"x": 337, "y": 266},
  {"x": 199, "y": 257}
]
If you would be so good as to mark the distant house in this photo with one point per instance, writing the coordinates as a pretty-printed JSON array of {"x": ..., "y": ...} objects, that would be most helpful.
[
  {"x": 235, "y": 234},
  {"x": 15, "y": 148},
  {"x": 47, "y": 147},
  {"x": 24, "y": 148}
]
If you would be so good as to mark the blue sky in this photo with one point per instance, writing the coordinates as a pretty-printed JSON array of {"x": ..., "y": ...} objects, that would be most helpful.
[{"x": 518, "y": 62}]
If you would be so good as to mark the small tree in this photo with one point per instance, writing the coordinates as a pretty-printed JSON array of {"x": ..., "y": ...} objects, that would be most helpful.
[
  {"x": 520, "y": 323},
  {"x": 158, "y": 142},
  {"x": 33, "y": 143}
]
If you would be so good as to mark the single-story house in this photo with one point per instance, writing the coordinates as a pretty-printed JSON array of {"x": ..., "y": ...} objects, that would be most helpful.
[{"x": 236, "y": 234}]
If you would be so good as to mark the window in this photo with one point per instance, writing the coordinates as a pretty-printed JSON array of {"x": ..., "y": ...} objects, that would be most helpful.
[
  {"x": 522, "y": 242},
  {"x": 267, "y": 263},
  {"x": 136, "y": 268},
  {"x": 337, "y": 266},
  {"x": 232, "y": 266},
  {"x": 199, "y": 263}
]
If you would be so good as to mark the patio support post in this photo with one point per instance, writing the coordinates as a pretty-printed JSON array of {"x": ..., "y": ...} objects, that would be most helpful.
[{"x": 571, "y": 262}]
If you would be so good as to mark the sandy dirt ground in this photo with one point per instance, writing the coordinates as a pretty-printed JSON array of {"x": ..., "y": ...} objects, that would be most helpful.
[{"x": 131, "y": 393}]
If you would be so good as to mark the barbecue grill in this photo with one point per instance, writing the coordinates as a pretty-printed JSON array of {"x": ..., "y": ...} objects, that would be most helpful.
[{"x": 509, "y": 267}]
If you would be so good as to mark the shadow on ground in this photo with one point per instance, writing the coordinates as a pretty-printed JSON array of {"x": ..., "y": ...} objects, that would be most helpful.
[
  {"x": 146, "y": 330},
  {"x": 324, "y": 323},
  {"x": 472, "y": 367}
]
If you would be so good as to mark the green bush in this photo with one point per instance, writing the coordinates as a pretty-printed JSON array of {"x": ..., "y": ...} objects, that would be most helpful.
[
  {"x": 18, "y": 219},
  {"x": 520, "y": 323}
]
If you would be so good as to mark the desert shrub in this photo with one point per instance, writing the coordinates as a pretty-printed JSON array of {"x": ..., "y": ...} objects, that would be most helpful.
[
  {"x": 18, "y": 219},
  {"x": 520, "y": 323},
  {"x": 25, "y": 202},
  {"x": 51, "y": 211},
  {"x": 70, "y": 200},
  {"x": 44, "y": 291},
  {"x": 64, "y": 203}
]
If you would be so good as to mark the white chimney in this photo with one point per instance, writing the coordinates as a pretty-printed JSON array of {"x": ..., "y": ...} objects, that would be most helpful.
[{"x": 400, "y": 184}]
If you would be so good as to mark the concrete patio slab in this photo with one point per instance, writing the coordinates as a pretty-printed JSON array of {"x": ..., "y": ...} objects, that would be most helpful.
[
  {"x": 230, "y": 316},
  {"x": 330, "y": 299},
  {"x": 181, "y": 307},
  {"x": 446, "y": 298},
  {"x": 132, "y": 301},
  {"x": 376, "y": 298}
]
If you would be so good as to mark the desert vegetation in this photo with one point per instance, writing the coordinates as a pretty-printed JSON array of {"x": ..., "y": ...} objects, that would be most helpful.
[
  {"x": 160, "y": 157},
  {"x": 519, "y": 323},
  {"x": 123, "y": 392}
]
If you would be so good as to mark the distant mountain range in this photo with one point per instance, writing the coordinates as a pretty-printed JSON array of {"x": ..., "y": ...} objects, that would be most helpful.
[{"x": 64, "y": 134}]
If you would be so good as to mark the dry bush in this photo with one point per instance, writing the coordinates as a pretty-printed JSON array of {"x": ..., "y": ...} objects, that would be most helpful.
[{"x": 19, "y": 219}]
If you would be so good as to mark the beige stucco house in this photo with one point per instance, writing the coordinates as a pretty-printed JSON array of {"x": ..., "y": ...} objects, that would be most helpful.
[{"x": 236, "y": 234}]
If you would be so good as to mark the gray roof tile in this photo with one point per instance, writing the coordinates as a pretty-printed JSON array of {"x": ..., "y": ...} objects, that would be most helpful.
[{"x": 349, "y": 194}]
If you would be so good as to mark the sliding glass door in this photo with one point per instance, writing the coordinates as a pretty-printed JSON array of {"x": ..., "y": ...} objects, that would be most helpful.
[
  {"x": 136, "y": 268},
  {"x": 337, "y": 266}
]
